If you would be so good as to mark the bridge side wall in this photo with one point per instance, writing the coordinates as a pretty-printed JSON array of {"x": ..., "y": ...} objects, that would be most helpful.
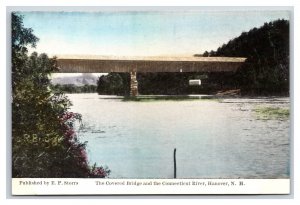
[{"x": 107, "y": 66}]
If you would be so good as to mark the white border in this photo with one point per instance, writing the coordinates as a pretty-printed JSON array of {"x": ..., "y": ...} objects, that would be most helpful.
[{"x": 5, "y": 194}]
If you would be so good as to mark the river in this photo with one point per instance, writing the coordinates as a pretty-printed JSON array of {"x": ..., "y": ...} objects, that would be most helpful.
[{"x": 213, "y": 138}]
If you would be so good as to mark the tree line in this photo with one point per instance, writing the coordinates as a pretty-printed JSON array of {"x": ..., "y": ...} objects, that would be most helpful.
[
  {"x": 156, "y": 84},
  {"x": 71, "y": 88}
]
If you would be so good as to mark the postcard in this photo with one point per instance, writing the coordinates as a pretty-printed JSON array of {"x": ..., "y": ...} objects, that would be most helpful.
[{"x": 130, "y": 101}]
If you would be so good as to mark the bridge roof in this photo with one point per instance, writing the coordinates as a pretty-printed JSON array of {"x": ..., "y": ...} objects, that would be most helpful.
[{"x": 94, "y": 63}]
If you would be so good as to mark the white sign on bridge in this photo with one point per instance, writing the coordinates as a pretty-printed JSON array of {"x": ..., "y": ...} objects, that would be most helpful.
[{"x": 195, "y": 82}]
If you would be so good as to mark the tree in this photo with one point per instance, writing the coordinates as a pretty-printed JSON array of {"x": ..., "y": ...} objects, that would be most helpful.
[
  {"x": 44, "y": 143},
  {"x": 113, "y": 84}
]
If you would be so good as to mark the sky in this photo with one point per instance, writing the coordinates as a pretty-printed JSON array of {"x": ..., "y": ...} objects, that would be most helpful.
[{"x": 141, "y": 33}]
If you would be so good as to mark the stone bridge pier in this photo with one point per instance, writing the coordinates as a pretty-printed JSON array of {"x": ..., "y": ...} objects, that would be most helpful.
[{"x": 133, "y": 84}]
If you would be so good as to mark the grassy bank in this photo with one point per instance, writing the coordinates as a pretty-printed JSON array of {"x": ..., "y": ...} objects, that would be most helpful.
[{"x": 272, "y": 113}]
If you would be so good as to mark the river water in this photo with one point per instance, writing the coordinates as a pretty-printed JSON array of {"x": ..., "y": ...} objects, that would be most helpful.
[{"x": 213, "y": 138}]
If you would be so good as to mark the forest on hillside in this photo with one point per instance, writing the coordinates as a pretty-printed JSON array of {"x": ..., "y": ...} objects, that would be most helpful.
[{"x": 265, "y": 72}]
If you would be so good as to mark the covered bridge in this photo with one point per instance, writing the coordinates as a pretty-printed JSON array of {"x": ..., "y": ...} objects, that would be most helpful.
[{"x": 132, "y": 65}]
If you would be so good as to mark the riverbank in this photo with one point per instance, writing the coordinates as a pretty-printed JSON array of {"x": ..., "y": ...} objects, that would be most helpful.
[{"x": 149, "y": 98}]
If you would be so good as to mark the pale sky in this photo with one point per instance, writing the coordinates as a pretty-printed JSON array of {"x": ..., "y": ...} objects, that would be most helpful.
[{"x": 141, "y": 33}]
